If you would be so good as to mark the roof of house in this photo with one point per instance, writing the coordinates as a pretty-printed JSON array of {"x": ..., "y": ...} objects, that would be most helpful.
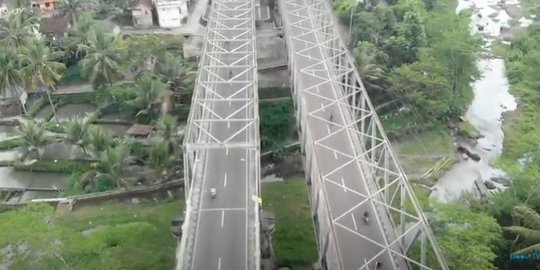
[
  {"x": 54, "y": 25},
  {"x": 136, "y": 3},
  {"x": 140, "y": 130}
]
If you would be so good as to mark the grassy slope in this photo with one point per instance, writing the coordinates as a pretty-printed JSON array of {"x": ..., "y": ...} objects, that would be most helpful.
[
  {"x": 522, "y": 132},
  {"x": 294, "y": 239},
  {"x": 153, "y": 248},
  {"x": 420, "y": 151}
]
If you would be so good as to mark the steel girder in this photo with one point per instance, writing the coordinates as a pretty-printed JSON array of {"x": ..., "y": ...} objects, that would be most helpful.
[
  {"x": 336, "y": 118},
  {"x": 228, "y": 60}
]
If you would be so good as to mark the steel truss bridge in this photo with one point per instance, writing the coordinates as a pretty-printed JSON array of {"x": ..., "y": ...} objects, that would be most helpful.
[{"x": 350, "y": 166}]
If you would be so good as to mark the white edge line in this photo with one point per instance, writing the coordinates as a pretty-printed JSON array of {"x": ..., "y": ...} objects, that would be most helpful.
[{"x": 222, "y": 218}]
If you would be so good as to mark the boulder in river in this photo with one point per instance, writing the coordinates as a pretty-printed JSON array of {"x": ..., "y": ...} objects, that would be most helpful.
[
  {"x": 501, "y": 180},
  {"x": 489, "y": 184},
  {"x": 464, "y": 149}
]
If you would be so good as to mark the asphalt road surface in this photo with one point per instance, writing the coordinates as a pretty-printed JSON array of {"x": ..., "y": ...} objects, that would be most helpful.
[
  {"x": 221, "y": 235},
  {"x": 346, "y": 186}
]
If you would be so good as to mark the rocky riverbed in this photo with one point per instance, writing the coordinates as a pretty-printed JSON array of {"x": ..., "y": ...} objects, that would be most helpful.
[{"x": 494, "y": 21}]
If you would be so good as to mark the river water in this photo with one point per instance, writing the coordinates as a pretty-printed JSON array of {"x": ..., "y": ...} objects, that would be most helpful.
[{"x": 491, "y": 99}]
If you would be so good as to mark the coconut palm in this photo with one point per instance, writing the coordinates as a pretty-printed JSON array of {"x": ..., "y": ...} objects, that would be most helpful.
[
  {"x": 161, "y": 159},
  {"x": 79, "y": 35},
  {"x": 167, "y": 127},
  {"x": 98, "y": 140},
  {"x": 18, "y": 29},
  {"x": 72, "y": 9},
  {"x": 368, "y": 65},
  {"x": 77, "y": 132},
  {"x": 40, "y": 68},
  {"x": 113, "y": 166},
  {"x": 181, "y": 77},
  {"x": 34, "y": 138},
  {"x": 103, "y": 53},
  {"x": 149, "y": 91},
  {"x": 10, "y": 79},
  {"x": 529, "y": 229}
]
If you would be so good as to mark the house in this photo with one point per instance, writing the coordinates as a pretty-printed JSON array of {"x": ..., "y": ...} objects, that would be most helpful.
[
  {"x": 54, "y": 28},
  {"x": 45, "y": 5},
  {"x": 171, "y": 13},
  {"x": 140, "y": 131},
  {"x": 141, "y": 12}
]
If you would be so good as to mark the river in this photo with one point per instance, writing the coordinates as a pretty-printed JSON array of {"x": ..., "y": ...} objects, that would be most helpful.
[{"x": 491, "y": 99}]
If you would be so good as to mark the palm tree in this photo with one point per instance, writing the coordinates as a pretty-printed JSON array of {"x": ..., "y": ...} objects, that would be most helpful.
[
  {"x": 367, "y": 59},
  {"x": 10, "y": 79},
  {"x": 112, "y": 166},
  {"x": 103, "y": 55},
  {"x": 79, "y": 35},
  {"x": 181, "y": 77},
  {"x": 18, "y": 29},
  {"x": 161, "y": 159},
  {"x": 98, "y": 140},
  {"x": 77, "y": 132},
  {"x": 149, "y": 91},
  {"x": 529, "y": 232},
  {"x": 167, "y": 127},
  {"x": 72, "y": 9},
  {"x": 40, "y": 68},
  {"x": 34, "y": 138}
]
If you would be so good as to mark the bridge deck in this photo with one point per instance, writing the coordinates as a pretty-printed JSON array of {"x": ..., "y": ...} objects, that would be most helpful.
[{"x": 221, "y": 148}]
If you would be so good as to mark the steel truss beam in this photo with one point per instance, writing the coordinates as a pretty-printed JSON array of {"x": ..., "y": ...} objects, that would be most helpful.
[
  {"x": 227, "y": 78},
  {"x": 333, "y": 106}
]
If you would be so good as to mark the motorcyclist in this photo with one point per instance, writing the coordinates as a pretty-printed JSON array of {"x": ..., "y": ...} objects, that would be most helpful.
[
  {"x": 366, "y": 217},
  {"x": 378, "y": 266}
]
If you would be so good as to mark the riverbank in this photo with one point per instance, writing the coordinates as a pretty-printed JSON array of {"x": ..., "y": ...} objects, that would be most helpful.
[{"x": 521, "y": 127}]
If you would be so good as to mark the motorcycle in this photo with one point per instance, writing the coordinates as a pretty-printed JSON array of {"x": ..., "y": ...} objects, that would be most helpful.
[{"x": 366, "y": 218}]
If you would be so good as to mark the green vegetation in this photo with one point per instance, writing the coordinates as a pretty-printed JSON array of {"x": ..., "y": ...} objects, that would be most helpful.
[
  {"x": 466, "y": 237},
  {"x": 11, "y": 143},
  {"x": 277, "y": 122},
  {"x": 522, "y": 58},
  {"x": 419, "y": 152},
  {"x": 522, "y": 135},
  {"x": 416, "y": 60},
  {"x": 529, "y": 233},
  {"x": 467, "y": 129},
  {"x": 142, "y": 77},
  {"x": 116, "y": 237},
  {"x": 61, "y": 166},
  {"x": 294, "y": 239}
]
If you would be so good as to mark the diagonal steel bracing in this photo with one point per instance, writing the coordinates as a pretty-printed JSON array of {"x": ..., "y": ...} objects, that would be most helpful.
[
  {"x": 350, "y": 165},
  {"x": 222, "y": 134}
]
